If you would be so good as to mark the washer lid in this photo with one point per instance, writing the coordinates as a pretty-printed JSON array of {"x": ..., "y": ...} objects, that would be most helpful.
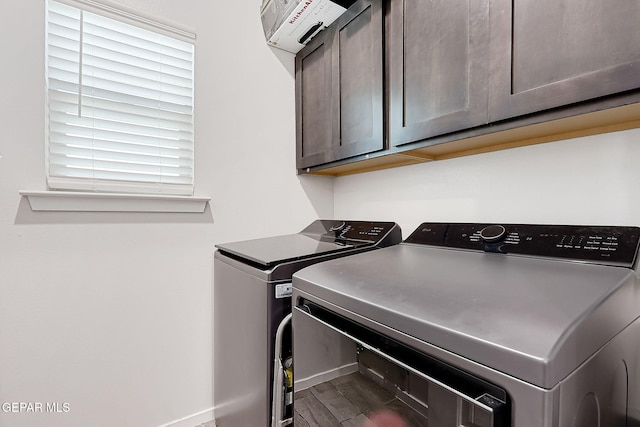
[
  {"x": 270, "y": 251},
  {"x": 319, "y": 238},
  {"x": 535, "y": 319}
]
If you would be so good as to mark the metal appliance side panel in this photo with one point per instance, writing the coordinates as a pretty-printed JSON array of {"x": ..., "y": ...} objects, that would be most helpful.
[
  {"x": 606, "y": 387},
  {"x": 532, "y": 406},
  {"x": 241, "y": 348},
  {"x": 634, "y": 379},
  {"x": 241, "y": 266}
]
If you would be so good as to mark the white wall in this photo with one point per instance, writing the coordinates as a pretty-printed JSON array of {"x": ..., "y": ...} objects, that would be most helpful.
[
  {"x": 590, "y": 180},
  {"x": 111, "y": 312}
]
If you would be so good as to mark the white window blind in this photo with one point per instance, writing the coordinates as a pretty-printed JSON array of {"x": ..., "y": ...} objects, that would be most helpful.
[{"x": 120, "y": 105}]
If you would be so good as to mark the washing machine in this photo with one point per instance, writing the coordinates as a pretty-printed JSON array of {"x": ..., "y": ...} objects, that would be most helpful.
[
  {"x": 484, "y": 325},
  {"x": 252, "y": 308}
]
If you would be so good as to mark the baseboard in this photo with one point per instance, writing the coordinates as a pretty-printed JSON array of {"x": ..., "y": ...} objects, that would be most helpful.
[
  {"x": 192, "y": 420},
  {"x": 305, "y": 383}
]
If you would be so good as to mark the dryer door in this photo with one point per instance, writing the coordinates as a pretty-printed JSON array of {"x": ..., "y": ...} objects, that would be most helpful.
[{"x": 384, "y": 381}]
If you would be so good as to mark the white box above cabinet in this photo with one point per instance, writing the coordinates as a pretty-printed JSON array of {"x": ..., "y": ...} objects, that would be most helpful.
[{"x": 290, "y": 24}]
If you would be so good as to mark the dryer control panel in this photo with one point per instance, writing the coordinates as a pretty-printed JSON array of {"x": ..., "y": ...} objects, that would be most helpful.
[{"x": 611, "y": 245}]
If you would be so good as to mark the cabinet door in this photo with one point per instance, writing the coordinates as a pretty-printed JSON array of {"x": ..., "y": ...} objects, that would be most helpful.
[
  {"x": 438, "y": 66},
  {"x": 358, "y": 80},
  {"x": 551, "y": 53},
  {"x": 339, "y": 88},
  {"x": 314, "y": 143}
]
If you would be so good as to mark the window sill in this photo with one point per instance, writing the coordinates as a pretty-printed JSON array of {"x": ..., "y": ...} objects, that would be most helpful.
[{"x": 71, "y": 201}]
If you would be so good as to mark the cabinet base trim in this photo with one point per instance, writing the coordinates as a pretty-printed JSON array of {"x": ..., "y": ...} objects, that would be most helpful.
[{"x": 594, "y": 123}]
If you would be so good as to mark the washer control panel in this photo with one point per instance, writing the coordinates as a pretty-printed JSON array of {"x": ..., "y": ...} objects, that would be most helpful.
[
  {"x": 379, "y": 233},
  {"x": 614, "y": 245},
  {"x": 364, "y": 231}
]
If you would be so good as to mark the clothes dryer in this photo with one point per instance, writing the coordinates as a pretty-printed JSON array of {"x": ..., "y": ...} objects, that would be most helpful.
[{"x": 486, "y": 325}]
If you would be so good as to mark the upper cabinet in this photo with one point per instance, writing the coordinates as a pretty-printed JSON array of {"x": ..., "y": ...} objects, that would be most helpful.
[
  {"x": 395, "y": 82},
  {"x": 314, "y": 99},
  {"x": 339, "y": 88},
  {"x": 438, "y": 53},
  {"x": 550, "y": 53}
]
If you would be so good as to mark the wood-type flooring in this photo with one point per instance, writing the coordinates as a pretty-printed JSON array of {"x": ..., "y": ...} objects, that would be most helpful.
[{"x": 349, "y": 401}]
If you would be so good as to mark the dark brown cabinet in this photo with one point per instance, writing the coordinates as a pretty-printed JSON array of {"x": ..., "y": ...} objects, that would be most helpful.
[
  {"x": 339, "y": 88},
  {"x": 438, "y": 67},
  {"x": 313, "y": 103},
  {"x": 395, "y": 82},
  {"x": 550, "y": 53}
]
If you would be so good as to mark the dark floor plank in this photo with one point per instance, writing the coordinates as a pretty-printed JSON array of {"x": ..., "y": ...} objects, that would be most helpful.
[
  {"x": 347, "y": 401},
  {"x": 358, "y": 421},
  {"x": 309, "y": 411},
  {"x": 335, "y": 401},
  {"x": 362, "y": 392},
  {"x": 298, "y": 421}
]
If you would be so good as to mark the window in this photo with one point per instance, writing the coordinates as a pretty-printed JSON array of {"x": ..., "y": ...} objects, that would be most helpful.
[{"x": 119, "y": 101}]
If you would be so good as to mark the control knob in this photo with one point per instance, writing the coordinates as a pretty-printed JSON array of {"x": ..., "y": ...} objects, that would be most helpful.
[{"x": 492, "y": 233}]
